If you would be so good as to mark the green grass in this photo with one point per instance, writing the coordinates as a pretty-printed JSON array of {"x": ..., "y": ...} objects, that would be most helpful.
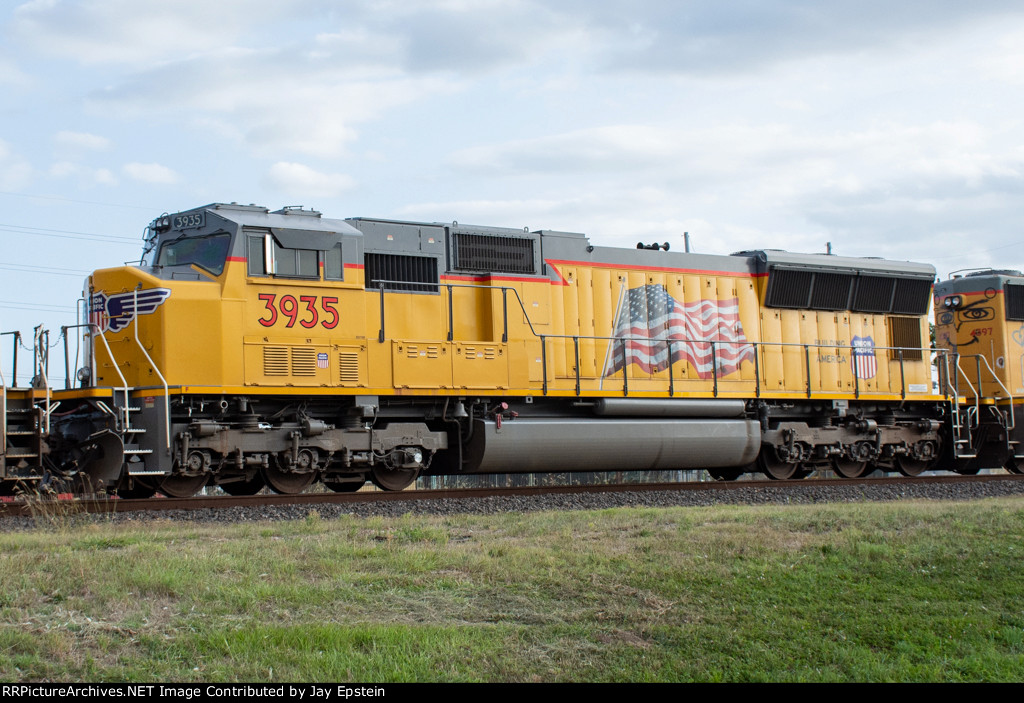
[{"x": 866, "y": 592}]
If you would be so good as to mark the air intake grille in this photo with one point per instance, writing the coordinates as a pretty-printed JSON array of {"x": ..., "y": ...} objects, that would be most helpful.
[
  {"x": 348, "y": 367},
  {"x": 494, "y": 253},
  {"x": 303, "y": 362},
  {"x": 905, "y": 332},
  {"x": 1014, "y": 298},
  {"x": 401, "y": 272},
  {"x": 275, "y": 361}
]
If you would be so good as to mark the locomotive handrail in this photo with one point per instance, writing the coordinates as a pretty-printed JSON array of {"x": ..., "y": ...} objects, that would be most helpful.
[
  {"x": 41, "y": 361},
  {"x": 124, "y": 382},
  {"x": 167, "y": 393},
  {"x": 758, "y": 359},
  {"x": 451, "y": 327},
  {"x": 979, "y": 358},
  {"x": 14, "y": 369}
]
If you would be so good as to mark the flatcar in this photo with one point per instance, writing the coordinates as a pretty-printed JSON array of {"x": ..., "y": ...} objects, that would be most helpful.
[{"x": 252, "y": 348}]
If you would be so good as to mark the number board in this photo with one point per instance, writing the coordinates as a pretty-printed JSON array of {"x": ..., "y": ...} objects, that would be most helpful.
[{"x": 189, "y": 220}]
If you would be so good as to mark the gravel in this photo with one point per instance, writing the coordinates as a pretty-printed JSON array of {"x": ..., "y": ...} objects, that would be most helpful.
[{"x": 782, "y": 495}]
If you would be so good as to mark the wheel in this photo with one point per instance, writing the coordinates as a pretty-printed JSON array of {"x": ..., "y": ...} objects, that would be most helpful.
[
  {"x": 1013, "y": 465},
  {"x": 725, "y": 474},
  {"x": 286, "y": 482},
  {"x": 774, "y": 468},
  {"x": 393, "y": 479},
  {"x": 244, "y": 488},
  {"x": 181, "y": 486},
  {"x": 141, "y": 488},
  {"x": 848, "y": 468},
  {"x": 345, "y": 486},
  {"x": 911, "y": 467}
]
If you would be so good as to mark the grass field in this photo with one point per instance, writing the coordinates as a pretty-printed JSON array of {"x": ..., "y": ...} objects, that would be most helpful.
[{"x": 865, "y": 592}]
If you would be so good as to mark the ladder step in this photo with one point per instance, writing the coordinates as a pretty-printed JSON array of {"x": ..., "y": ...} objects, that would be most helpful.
[
  {"x": 134, "y": 430},
  {"x": 20, "y": 456},
  {"x": 146, "y": 473},
  {"x": 137, "y": 452},
  {"x": 20, "y": 433}
]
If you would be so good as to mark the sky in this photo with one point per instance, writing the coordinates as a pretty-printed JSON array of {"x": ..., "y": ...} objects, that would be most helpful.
[{"x": 892, "y": 129}]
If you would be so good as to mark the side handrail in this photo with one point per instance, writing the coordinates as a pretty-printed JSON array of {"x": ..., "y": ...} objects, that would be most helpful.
[
  {"x": 41, "y": 359},
  {"x": 430, "y": 287},
  {"x": 979, "y": 360},
  {"x": 167, "y": 394}
]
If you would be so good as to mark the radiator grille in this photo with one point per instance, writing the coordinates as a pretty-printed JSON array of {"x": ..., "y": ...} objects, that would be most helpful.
[
  {"x": 831, "y": 291},
  {"x": 912, "y": 296},
  {"x": 788, "y": 288},
  {"x": 494, "y": 253},
  {"x": 874, "y": 294}
]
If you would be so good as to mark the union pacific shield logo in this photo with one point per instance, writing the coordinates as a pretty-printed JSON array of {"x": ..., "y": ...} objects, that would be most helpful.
[
  {"x": 114, "y": 312},
  {"x": 864, "y": 364}
]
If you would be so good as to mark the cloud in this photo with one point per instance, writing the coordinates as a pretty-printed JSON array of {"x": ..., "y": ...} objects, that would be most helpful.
[
  {"x": 80, "y": 141},
  {"x": 87, "y": 176},
  {"x": 15, "y": 172},
  {"x": 150, "y": 173},
  {"x": 130, "y": 32},
  {"x": 255, "y": 96},
  {"x": 301, "y": 180}
]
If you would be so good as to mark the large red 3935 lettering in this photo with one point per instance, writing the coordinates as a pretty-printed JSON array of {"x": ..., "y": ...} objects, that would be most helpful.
[{"x": 304, "y": 311}]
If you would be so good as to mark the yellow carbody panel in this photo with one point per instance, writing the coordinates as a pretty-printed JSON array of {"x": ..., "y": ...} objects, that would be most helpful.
[{"x": 253, "y": 334}]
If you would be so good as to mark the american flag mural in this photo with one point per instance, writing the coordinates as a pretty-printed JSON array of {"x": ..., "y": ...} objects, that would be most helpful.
[
  {"x": 650, "y": 316},
  {"x": 864, "y": 364}
]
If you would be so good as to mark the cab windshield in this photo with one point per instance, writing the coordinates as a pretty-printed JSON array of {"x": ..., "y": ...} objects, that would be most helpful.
[{"x": 208, "y": 253}]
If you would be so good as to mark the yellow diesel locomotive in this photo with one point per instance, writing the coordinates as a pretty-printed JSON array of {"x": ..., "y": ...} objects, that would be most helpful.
[
  {"x": 979, "y": 323},
  {"x": 253, "y": 347}
]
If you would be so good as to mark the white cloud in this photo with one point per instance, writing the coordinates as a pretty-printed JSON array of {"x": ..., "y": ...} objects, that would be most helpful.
[
  {"x": 150, "y": 173},
  {"x": 131, "y": 32},
  {"x": 85, "y": 175},
  {"x": 15, "y": 171},
  {"x": 301, "y": 180},
  {"x": 80, "y": 141},
  {"x": 256, "y": 96}
]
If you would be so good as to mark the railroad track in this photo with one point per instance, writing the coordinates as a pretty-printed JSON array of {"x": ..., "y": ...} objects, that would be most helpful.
[{"x": 24, "y": 507}]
